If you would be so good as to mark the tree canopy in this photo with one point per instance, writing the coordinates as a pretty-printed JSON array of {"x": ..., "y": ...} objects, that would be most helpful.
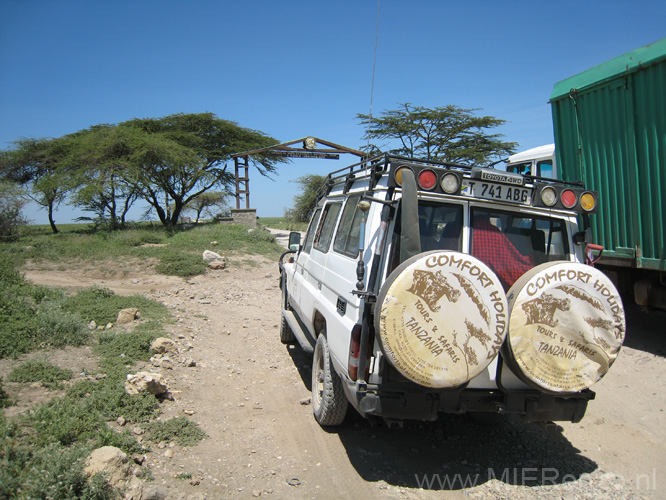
[
  {"x": 167, "y": 162},
  {"x": 447, "y": 133}
]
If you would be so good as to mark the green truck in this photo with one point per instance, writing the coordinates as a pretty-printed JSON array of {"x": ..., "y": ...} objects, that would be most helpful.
[{"x": 610, "y": 132}]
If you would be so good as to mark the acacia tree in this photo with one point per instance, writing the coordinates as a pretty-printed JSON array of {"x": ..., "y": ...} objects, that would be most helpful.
[
  {"x": 207, "y": 203},
  {"x": 43, "y": 164},
  {"x": 448, "y": 133},
  {"x": 185, "y": 156},
  {"x": 168, "y": 162},
  {"x": 305, "y": 202},
  {"x": 102, "y": 156}
]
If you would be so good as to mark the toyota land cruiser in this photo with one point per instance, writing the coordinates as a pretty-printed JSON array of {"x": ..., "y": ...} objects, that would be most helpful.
[{"x": 424, "y": 287}]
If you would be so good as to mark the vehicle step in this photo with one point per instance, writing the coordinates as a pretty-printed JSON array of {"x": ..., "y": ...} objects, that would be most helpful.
[{"x": 300, "y": 334}]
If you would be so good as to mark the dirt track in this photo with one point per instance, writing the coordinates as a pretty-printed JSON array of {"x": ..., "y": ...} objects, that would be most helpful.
[{"x": 251, "y": 396}]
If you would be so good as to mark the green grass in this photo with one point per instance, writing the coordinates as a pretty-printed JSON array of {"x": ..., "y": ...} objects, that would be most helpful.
[
  {"x": 178, "y": 251},
  {"x": 42, "y": 452},
  {"x": 34, "y": 316}
]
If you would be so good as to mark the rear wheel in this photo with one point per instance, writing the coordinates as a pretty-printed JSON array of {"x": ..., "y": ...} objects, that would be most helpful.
[{"x": 329, "y": 402}]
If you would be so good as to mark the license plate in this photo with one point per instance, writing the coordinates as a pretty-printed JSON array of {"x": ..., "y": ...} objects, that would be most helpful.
[{"x": 497, "y": 192}]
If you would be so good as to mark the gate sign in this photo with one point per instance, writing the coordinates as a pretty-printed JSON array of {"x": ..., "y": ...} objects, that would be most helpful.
[{"x": 305, "y": 154}]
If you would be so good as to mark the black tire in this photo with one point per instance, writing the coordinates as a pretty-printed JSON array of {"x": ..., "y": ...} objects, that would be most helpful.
[
  {"x": 329, "y": 403},
  {"x": 286, "y": 334}
]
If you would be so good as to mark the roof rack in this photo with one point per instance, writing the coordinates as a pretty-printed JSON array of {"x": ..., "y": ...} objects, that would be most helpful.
[{"x": 375, "y": 167}]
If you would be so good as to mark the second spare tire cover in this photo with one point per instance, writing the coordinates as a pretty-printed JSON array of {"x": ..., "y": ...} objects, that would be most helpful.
[
  {"x": 441, "y": 318},
  {"x": 566, "y": 326}
]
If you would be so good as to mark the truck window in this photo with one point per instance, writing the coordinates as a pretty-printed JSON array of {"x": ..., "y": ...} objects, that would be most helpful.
[
  {"x": 309, "y": 237},
  {"x": 511, "y": 244},
  {"x": 545, "y": 168},
  {"x": 346, "y": 237},
  {"x": 322, "y": 240}
]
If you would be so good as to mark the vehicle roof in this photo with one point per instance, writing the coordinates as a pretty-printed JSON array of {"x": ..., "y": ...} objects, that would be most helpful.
[{"x": 534, "y": 153}]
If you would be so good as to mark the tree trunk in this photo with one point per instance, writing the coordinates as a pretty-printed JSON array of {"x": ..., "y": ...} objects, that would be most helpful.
[{"x": 51, "y": 221}]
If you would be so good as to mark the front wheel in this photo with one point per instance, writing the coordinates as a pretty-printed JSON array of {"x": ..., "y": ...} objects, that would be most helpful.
[{"x": 329, "y": 402}]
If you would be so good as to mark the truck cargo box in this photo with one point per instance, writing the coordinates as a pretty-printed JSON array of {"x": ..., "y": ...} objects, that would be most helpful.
[{"x": 610, "y": 131}]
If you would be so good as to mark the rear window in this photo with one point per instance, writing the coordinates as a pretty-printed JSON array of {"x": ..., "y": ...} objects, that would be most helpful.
[
  {"x": 440, "y": 226},
  {"x": 511, "y": 244}
]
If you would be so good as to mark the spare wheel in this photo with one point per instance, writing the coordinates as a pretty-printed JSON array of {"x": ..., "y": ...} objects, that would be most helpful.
[
  {"x": 566, "y": 326},
  {"x": 441, "y": 318}
]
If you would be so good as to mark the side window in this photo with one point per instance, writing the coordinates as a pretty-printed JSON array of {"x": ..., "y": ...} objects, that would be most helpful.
[
  {"x": 312, "y": 229},
  {"x": 346, "y": 237},
  {"x": 322, "y": 240}
]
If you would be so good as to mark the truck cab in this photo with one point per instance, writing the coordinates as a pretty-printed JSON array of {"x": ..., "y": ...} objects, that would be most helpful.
[{"x": 539, "y": 161}]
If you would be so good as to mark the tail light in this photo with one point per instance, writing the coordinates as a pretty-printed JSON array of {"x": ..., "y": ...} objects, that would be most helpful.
[
  {"x": 427, "y": 179},
  {"x": 568, "y": 198},
  {"x": 588, "y": 202},
  {"x": 354, "y": 354},
  {"x": 552, "y": 196},
  {"x": 450, "y": 183},
  {"x": 398, "y": 175}
]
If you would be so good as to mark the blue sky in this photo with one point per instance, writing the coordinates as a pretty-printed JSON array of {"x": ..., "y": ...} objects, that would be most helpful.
[{"x": 296, "y": 68}]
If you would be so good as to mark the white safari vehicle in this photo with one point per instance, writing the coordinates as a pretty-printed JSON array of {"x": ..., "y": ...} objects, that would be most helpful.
[{"x": 425, "y": 287}]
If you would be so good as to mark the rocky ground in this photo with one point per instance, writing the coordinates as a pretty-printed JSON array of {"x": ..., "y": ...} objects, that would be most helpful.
[{"x": 250, "y": 394}]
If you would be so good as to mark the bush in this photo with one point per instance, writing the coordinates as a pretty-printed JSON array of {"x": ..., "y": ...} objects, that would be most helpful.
[
  {"x": 4, "y": 399},
  {"x": 54, "y": 472},
  {"x": 56, "y": 327},
  {"x": 49, "y": 375},
  {"x": 32, "y": 316},
  {"x": 11, "y": 219},
  {"x": 181, "y": 264},
  {"x": 119, "y": 350},
  {"x": 102, "y": 305},
  {"x": 180, "y": 429}
]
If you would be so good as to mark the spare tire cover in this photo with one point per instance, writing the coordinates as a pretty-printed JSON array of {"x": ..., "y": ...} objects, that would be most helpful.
[
  {"x": 566, "y": 326},
  {"x": 442, "y": 318}
]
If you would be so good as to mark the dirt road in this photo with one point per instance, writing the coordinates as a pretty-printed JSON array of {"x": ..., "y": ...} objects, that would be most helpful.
[{"x": 251, "y": 395}]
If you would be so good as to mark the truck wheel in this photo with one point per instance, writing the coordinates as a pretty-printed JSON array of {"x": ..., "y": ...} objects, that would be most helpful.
[
  {"x": 442, "y": 318},
  {"x": 329, "y": 403},
  {"x": 286, "y": 335},
  {"x": 566, "y": 327}
]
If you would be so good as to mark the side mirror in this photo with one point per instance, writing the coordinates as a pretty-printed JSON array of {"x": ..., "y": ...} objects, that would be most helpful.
[
  {"x": 295, "y": 241},
  {"x": 582, "y": 237}
]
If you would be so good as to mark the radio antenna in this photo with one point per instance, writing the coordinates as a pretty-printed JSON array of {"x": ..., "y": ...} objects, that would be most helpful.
[{"x": 374, "y": 63}]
